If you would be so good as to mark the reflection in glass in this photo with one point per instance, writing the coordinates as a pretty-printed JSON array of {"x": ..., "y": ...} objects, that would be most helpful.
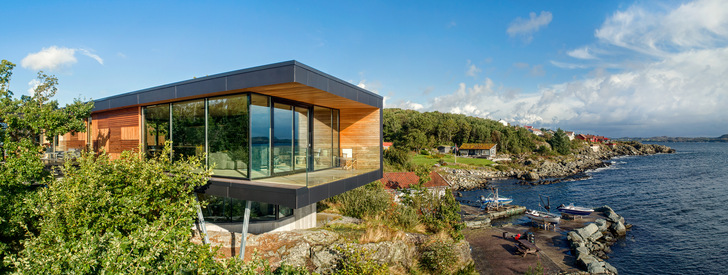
[
  {"x": 188, "y": 129},
  {"x": 221, "y": 209},
  {"x": 156, "y": 123},
  {"x": 282, "y": 138},
  {"x": 335, "y": 136},
  {"x": 300, "y": 140},
  {"x": 227, "y": 135},
  {"x": 259, "y": 136},
  {"x": 322, "y": 138}
]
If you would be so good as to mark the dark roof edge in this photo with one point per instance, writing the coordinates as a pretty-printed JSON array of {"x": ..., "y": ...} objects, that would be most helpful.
[
  {"x": 335, "y": 78},
  {"x": 252, "y": 69}
]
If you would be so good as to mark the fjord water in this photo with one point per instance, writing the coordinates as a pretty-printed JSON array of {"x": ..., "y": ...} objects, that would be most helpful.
[{"x": 677, "y": 204}]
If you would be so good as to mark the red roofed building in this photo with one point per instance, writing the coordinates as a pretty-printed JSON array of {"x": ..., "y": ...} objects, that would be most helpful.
[
  {"x": 394, "y": 181},
  {"x": 386, "y": 145}
]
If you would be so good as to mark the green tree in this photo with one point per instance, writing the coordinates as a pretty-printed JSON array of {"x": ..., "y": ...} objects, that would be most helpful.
[
  {"x": 560, "y": 142},
  {"x": 25, "y": 120}
]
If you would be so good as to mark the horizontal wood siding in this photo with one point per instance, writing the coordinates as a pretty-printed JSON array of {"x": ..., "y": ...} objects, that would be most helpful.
[
  {"x": 116, "y": 131},
  {"x": 360, "y": 131}
]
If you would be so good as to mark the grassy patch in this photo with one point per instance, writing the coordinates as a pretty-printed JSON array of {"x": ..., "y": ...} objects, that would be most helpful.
[{"x": 450, "y": 159}]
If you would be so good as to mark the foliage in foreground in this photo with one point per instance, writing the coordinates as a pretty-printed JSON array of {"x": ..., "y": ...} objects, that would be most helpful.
[
  {"x": 419, "y": 208},
  {"x": 23, "y": 121},
  {"x": 130, "y": 215}
]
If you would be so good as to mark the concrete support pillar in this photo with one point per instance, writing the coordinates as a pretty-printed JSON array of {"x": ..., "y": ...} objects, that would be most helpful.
[
  {"x": 201, "y": 222},
  {"x": 246, "y": 218}
]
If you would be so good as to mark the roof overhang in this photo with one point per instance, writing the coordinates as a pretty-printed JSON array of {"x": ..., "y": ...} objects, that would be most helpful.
[{"x": 291, "y": 80}]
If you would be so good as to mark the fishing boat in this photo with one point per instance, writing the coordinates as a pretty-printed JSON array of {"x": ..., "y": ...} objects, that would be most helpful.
[
  {"x": 575, "y": 210},
  {"x": 541, "y": 216}
]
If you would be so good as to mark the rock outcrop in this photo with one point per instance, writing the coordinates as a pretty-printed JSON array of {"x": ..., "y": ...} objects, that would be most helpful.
[
  {"x": 591, "y": 243},
  {"x": 319, "y": 250}
]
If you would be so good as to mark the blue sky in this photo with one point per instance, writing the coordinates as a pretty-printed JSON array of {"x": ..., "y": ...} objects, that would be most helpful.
[{"x": 615, "y": 68}]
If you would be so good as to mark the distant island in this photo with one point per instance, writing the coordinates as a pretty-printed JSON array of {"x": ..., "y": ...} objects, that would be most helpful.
[{"x": 723, "y": 138}]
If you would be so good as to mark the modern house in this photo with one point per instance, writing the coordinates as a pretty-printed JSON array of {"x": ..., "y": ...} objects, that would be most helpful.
[
  {"x": 278, "y": 138},
  {"x": 478, "y": 150}
]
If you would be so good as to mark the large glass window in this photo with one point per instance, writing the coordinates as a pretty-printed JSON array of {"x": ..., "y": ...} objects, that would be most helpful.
[
  {"x": 246, "y": 135},
  {"x": 188, "y": 129},
  {"x": 300, "y": 138},
  {"x": 228, "y": 135},
  {"x": 323, "y": 149},
  {"x": 156, "y": 121},
  {"x": 259, "y": 136},
  {"x": 282, "y": 138},
  {"x": 221, "y": 209}
]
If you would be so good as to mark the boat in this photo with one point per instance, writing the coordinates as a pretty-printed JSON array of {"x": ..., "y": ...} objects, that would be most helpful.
[
  {"x": 494, "y": 199},
  {"x": 575, "y": 210},
  {"x": 541, "y": 216}
]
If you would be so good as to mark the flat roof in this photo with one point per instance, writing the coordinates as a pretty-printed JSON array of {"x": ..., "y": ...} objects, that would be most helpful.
[{"x": 272, "y": 74}]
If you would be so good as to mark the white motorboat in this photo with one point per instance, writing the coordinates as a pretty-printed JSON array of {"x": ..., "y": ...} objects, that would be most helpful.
[
  {"x": 575, "y": 210},
  {"x": 541, "y": 216}
]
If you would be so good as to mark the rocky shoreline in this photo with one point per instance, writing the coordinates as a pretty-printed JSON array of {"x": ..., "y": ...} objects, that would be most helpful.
[
  {"x": 591, "y": 243},
  {"x": 532, "y": 169}
]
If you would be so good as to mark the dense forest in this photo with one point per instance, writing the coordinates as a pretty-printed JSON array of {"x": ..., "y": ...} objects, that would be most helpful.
[{"x": 413, "y": 130}]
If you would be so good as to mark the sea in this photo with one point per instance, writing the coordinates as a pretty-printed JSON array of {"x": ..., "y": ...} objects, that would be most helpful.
[{"x": 677, "y": 204}]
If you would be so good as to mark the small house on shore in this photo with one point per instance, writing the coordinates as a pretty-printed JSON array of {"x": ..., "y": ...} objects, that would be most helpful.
[
  {"x": 478, "y": 150},
  {"x": 445, "y": 149}
]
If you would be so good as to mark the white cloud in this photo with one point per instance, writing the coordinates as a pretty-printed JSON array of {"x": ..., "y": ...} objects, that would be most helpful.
[
  {"x": 527, "y": 27},
  {"x": 681, "y": 93},
  {"x": 472, "y": 70},
  {"x": 406, "y": 105},
  {"x": 89, "y": 54},
  {"x": 54, "y": 57},
  {"x": 581, "y": 53},
  {"x": 33, "y": 84}
]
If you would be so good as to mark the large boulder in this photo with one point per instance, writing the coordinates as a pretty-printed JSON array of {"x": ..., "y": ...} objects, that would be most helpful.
[
  {"x": 618, "y": 229},
  {"x": 596, "y": 268},
  {"x": 586, "y": 231},
  {"x": 601, "y": 224}
]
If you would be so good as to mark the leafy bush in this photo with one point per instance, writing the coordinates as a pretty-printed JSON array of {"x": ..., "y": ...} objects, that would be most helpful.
[
  {"x": 396, "y": 157},
  {"x": 437, "y": 213},
  {"x": 367, "y": 201},
  {"x": 130, "y": 215},
  {"x": 438, "y": 257},
  {"x": 355, "y": 261}
]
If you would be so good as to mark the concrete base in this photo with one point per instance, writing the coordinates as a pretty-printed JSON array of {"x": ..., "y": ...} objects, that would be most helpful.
[{"x": 303, "y": 218}]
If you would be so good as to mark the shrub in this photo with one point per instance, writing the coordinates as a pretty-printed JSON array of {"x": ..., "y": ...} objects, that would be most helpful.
[
  {"x": 369, "y": 200},
  {"x": 438, "y": 257},
  {"x": 356, "y": 261}
]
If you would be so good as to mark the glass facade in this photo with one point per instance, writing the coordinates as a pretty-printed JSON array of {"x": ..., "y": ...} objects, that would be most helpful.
[
  {"x": 247, "y": 135},
  {"x": 260, "y": 136},
  {"x": 188, "y": 129},
  {"x": 227, "y": 134},
  {"x": 220, "y": 209},
  {"x": 156, "y": 125}
]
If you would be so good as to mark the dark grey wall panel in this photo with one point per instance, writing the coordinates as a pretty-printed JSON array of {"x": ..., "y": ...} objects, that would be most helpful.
[
  {"x": 317, "y": 81},
  {"x": 124, "y": 101},
  {"x": 157, "y": 95},
  {"x": 261, "y": 78},
  {"x": 101, "y": 105},
  {"x": 201, "y": 87}
]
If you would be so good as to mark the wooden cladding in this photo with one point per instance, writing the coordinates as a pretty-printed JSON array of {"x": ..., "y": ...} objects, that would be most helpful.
[
  {"x": 116, "y": 131},
  {"x": 360, "y": 131}
]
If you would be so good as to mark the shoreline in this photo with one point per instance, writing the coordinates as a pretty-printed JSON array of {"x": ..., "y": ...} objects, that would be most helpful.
[{"x": 535, "y": 170}]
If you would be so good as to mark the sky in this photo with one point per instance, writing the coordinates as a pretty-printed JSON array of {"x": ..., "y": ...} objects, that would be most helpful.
[{"x": 613, "y": 68}]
